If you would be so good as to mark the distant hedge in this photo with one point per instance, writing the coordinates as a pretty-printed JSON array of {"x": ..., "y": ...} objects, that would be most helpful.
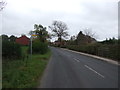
[
  {"x": 104, "y": 50},
  {"x": 11, "y": 50}
]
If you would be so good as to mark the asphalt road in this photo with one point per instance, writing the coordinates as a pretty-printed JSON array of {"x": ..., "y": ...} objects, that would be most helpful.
[{"x": 67, "y": 69}]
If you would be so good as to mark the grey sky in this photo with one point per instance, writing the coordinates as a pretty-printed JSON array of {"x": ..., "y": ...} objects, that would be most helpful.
[{"x": 19, "y": 16}]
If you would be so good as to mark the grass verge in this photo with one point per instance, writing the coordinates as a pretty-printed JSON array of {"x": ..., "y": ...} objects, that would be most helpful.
[{"x": 24, "y": 73}]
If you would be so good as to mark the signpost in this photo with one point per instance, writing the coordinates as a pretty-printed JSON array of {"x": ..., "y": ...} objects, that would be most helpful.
[
  {"x": 31, "y": 45},
  {"x": 31, "y": 38}
]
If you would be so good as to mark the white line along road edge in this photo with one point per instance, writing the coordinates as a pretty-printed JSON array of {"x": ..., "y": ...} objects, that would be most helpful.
[{"x": 94, "y": 56}]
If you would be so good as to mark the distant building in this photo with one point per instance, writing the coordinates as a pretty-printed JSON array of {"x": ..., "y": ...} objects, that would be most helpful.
[
  {"x": 58, "y": 43},
  {"x": 23, "y": 40},
  {"x": 84, "y": 39}
]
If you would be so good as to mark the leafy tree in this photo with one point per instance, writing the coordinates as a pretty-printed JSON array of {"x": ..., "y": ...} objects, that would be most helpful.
[
  {"x": 5, "y": 37},
  {"x": 110, "y": 41},
  {"x": 41, "y": 32},
  {"x": 39, "y": 44},
  {"x": 119, "y": 41},
  {"x": 12, "y": 38},
  {"x": 59, "y": 29}
]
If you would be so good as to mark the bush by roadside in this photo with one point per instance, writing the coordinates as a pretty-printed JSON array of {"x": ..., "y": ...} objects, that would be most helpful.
[
  {"x": 39, "y": 47},
  {"x": 11, "y": 50},
  {"x": 24, "y": 73}
]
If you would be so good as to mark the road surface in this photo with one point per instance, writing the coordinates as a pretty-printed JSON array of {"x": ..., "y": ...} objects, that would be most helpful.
[{"x": 67, "y": 69}]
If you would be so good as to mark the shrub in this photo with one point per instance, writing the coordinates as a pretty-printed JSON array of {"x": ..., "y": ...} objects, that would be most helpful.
[
  {"x": 39, "y": 47},
  {"x": 11, "y": 50},
  {"x": 109, "y": 51},
  {"x": 104, "y": 50}
]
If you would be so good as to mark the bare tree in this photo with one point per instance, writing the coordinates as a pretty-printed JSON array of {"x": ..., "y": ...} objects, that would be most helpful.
[
  {"x": 59, "y": 29},
  {"x": 89, "y": 32},
  {"x": 2, "y": 5},
  {"x": 73, "y": 38}
]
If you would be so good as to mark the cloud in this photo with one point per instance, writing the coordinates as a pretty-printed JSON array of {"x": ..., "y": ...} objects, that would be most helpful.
[{"x": 19, "y": 16}]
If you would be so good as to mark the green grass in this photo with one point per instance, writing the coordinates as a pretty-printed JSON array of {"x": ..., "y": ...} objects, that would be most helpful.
[
  {"x": 24, "y": 49},
  {"x": 24, "y": 73}
]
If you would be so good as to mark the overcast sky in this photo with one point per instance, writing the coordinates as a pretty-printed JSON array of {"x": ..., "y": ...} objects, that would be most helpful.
[{"x": 19, "y": 16}]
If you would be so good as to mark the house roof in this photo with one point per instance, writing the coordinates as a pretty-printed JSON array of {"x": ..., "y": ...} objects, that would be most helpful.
[{"x": 23, "y": 40}]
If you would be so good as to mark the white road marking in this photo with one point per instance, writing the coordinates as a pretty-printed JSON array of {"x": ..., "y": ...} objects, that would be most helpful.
[
  {"x": 76, "y": 60},
  {"x": 94, "y": 71}
]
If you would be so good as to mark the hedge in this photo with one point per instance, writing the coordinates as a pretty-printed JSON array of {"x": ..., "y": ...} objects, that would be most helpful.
[
  {"x": 104, "y": 50},
  {"x": 11, "y": 50},
  {"x": 39, "y": 47}
]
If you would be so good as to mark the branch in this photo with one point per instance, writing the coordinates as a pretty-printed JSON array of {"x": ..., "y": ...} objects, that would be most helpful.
[{"x": 2, "y": 5}]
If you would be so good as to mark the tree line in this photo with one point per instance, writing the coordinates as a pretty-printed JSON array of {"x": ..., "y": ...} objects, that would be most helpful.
[
  {"x": 85, "y": 41},
  {"x": 13, "y": 50},
  {"x": 10, "y": 49}
]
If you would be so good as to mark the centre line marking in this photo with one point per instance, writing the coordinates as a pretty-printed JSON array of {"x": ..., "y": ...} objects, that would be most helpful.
[
  {"x": 94, "y": 71},
  {"x": 76, "y": 60}
]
